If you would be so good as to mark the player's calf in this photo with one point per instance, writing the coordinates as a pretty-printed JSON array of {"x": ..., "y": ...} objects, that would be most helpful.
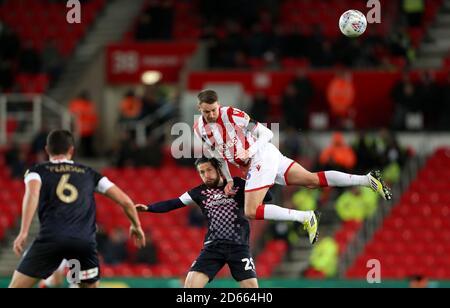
[
  {"x": 20, "y": 280},
  {"x": 88, "y": 285}
]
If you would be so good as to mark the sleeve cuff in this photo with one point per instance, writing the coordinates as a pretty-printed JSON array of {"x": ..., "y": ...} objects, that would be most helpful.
[
  {"x": 104, "y": 184},
  {"x": 186, "y": 199},
  {"x": 32, "y": 176}
]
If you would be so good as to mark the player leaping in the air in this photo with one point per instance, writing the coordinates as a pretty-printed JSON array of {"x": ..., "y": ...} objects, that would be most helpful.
[
  {"x": 232, "y": 136},
  {"x": 63, "y": 193}
]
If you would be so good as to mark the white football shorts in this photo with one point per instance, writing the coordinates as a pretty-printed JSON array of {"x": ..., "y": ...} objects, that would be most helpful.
[{"x": 267, "y": 167}]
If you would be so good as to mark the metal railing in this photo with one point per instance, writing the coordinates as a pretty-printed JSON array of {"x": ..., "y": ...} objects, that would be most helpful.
[
  {"x": 151, "y": 121},
  {"x": 30, "y": 113},
  {"x": 370, "y": 225}
]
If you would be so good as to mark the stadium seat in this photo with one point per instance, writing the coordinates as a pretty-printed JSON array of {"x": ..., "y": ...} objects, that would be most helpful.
[{"x": 415, "y": 237}]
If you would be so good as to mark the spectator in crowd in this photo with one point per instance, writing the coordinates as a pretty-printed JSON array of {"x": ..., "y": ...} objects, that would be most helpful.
[
  {"x": 85, "y": 114},
  {"x": 400, "y": 44},
  {"x": 116, "y": 248},
  {"x": 233, "y": 44},
  {"x": 38, "y": 145},
  {"x": 405, "y": 97},
  {"x": 240, "y": 60},
  {"x": 305, "y": 199},
  {"x": 16, "y": 159},
  {"x": 125, "y": 150},
  {"x": 392, "y": 156},
  {"x": 260, "y": 108},
  {"x": 444, "y": 114},
  {"x": 356, "y": 204},
  {"x": 291, "y": 143},
  {"x": 10, "y": 43},
  {"x": 390, "y": 150},
  {"x": 30, "y": 60},
  {"x": 144, "y": 28},
  {"x": 157, "y": 21},
  {"x": 341, "y": 97},
  {"x": 348, "y": 52},
  {"x": 10, "y": 48},
  {"x": 52, "y": 60},
  {"x": 414, "y": 10},
  {"x": 151, "y": 100},
  {"x": 305, "y": 93},
  {"x": 6, "y": 75},
  {"x": 430, "y": 98},
  {"x": 291, "y": 107},
  {"x": 130, "y": 107},
  {"x": 338, "y": 155},
  {"x": 149, "y": 154},
  {"x": 365, "y": 153},
  {"x": 294, "y": 43},
  {"x": 325, "y": 257},
  {"x": 258, "y": 42},
  {"x": 325, "y": 56},
  {"x": 147, "y": 254},
  {"x": 102, "y": 239}
]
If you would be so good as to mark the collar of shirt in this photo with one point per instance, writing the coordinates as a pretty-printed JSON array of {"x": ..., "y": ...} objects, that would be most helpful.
[{"x": 60, "y": 161}]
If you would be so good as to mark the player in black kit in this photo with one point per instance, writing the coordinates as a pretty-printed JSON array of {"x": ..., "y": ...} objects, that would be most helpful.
[
  {"x": 63, "y": 193},
  {"x": 227, "y": 240}
]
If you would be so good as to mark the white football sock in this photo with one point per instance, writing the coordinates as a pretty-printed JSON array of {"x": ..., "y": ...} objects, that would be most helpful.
[
  {"x": 275, "y": 212},
  {"x": 340, "y": 179}
]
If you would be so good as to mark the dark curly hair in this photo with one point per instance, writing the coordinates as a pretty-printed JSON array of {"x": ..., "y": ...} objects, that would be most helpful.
[{"x": 214, "y": 162}]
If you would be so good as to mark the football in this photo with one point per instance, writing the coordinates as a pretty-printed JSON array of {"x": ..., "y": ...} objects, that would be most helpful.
[{"x": 353, "y": 23}]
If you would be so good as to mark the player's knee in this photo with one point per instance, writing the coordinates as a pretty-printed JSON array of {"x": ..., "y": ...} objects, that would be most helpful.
[
  {"x": 249, "y": 284},
  {"x": 88, "y": 285},
  {"x": 250, "y": 212},
  {"x": 313, "y": 181},
  {"x": 188, "y": 283}
]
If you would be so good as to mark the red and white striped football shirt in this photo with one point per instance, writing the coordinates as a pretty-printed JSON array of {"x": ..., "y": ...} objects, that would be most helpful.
[{"x": 230, "y": 135}]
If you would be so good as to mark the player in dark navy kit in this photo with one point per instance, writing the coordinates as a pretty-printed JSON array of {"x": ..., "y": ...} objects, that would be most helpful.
[
  {"x": 63, "y": 193},
  {"x": 227, "y": 240}
]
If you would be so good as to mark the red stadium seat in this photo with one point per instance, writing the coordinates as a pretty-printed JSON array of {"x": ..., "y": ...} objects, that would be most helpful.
[{"x": 415, "y": 237}]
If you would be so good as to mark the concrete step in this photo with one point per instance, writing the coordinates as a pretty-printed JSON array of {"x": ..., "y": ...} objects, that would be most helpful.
[
  {"x": 438, "y": 33},
  {"x": 300, "y": 254},
  {"x": 446, "y": 5},
  {"x": 431, "y": 63},
  {"x": 443, "y": 19},
  {"x": 292, "y": 269},
  {"x": 437, "y": 49}
]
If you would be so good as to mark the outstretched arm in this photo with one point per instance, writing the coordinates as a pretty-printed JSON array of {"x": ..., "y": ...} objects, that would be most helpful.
[
  {"x": 161, "y": 207},
  {"x": 168, "y": 205},
  {"x": 29, "y": 206}
]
